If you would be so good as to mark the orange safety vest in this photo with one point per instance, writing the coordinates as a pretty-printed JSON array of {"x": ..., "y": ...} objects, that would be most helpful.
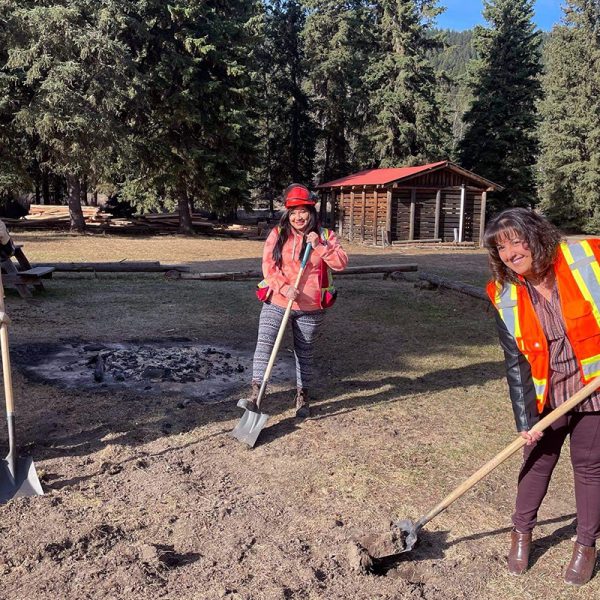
[{"x": 577, "y": 272}]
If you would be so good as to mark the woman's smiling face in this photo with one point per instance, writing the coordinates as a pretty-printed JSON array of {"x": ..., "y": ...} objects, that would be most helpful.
[
  {"x": 514, "y": 252},
  {"x": 299, "y": 218}
]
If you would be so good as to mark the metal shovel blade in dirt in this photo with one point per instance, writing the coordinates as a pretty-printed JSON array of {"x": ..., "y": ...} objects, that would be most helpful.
[
  {"x": 249, "y": 427},
  {"x": 253, "y": 420},
  {"x": 17, "y": 474},
  {"x": 410, "y": 529},
  {"x": 20, "y": 482}
]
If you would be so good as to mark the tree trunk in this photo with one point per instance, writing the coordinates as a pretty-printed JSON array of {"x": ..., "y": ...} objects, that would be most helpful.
[
  {"x": 271, "y": 204},
  {"x": 37, "y": 189},
  {"x": 74, "y": 198},
  {"x": 323, "y": 208},
  {"x": 45, "y": 187},
  {"x": 58, "y": 191},
  {"x": 185, "y": 215},
  {"x": 84, "y": 192}
]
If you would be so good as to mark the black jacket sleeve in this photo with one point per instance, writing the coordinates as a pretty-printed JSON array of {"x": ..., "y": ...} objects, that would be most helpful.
[{"x": 520, "y": 382}]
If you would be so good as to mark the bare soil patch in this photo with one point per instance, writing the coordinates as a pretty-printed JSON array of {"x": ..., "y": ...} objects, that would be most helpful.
[{"x": 149, "y": 497}]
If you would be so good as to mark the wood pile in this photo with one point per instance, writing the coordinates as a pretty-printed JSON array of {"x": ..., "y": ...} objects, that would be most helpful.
[
  {"x": 58, "y": 212},
  {"x": 42, "y": 216}
]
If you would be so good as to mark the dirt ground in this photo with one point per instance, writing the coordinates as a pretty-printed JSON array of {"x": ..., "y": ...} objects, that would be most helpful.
[{"x": 148, "y": 497}]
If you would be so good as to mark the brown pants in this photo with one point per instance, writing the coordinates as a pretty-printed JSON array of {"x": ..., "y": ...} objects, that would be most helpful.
[{"x": 539, "y": 462}]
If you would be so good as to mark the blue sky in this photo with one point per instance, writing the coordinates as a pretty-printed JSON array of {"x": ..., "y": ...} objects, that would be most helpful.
[{"x": 464, "y": 14}]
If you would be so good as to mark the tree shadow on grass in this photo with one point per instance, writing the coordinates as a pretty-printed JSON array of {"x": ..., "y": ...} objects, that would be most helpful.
[
  {"x": 142, "y": 420},
  {"x": 396, "y": 389}
]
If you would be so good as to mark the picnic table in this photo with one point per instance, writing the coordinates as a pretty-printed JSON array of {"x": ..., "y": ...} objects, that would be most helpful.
[{"x": 19, "y": 273}]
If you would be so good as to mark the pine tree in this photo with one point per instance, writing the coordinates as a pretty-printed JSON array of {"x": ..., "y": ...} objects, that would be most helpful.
[
  {"x": 287, "y": 140},
  {"x": 451, "y": 63},
  {"x": 70, "y": 79},
  {"x": 13, "y": 151},
  {"x": 337, "y": 52},
  {"x": 192, "y": 140},
  {"x": 410, "y": 124},
  {"x": 500, "y": 141},
  {"x": 569, "y": 165}
]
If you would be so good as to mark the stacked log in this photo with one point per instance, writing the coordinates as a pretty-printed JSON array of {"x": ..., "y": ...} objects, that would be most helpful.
[
  {"x": 241, "y": 275},
  {"x": 144, "y": 266},
  {"x": 49, "y": 216},
  {"x": 45, "y": 212},
  {"x": 42, "y": 216}
]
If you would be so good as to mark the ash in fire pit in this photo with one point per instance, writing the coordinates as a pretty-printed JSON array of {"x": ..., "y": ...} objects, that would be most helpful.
[
  {"x": 204, "y": 373},
  {"x": 182, "y": 365}
]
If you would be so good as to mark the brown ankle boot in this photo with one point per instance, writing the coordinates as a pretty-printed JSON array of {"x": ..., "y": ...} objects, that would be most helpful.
[
  {"x": 302, "y": 408},
  {"x": 250, "y": 403},
  {"x": 518, "y": 556},
  {"x": 582, "y": 564}
]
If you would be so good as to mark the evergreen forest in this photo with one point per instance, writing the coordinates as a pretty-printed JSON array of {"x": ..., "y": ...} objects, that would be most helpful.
[{"x": 219, "y": 104}]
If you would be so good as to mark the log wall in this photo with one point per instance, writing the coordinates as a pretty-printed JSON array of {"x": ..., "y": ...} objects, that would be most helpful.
[
  {"x": 361, "y": 215},
  {"x": 450, "y": 215}
]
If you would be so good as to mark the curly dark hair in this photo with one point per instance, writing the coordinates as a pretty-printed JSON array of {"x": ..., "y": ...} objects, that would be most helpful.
[
  {"x": 541, "y": 236},
  {"x": 286, "y": 230}
]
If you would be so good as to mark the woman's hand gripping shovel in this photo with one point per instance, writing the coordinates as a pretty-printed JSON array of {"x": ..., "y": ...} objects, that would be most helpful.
[
  {"x": 17, "y": 474},
  {"x": 410, "y": 529},
  {"x": 253, "y": 420}
]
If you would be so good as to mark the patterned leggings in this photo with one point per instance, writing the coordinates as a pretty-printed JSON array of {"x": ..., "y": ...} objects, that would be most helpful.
[{"x": 305, "y": 329}]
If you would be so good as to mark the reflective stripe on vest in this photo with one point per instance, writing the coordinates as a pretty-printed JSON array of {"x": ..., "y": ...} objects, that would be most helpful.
[
  {"x": 586, "y": 271},
  {"x": 507, "y": 304},
  {"x": 540, "y": 391},
  {"x": 591, "y": 366}
]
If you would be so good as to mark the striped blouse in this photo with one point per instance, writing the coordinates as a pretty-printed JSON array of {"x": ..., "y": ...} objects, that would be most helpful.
[{"x": 565, "y": 376}]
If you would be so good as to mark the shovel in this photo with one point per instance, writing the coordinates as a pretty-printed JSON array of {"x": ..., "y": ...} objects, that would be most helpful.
[
  {"x": 411, "y": 529},
  {"x": 253, "y": 421},
  {"x": 17, "y": 474}
]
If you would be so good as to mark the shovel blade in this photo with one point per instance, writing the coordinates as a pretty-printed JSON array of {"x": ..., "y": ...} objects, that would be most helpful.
[
  {"x": 249, "y": 427},
  {"x": 24, "y": 482},
  {"x": 409, "y": 529}
]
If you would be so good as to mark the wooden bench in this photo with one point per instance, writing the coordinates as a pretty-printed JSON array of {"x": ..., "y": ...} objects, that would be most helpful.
[{"x": 21, "y": 275}]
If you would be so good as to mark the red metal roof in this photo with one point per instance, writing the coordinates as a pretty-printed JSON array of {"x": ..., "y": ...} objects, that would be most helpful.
[{"x": 381, "y": 176}]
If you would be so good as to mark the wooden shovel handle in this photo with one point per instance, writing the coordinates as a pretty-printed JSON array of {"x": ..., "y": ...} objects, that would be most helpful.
[
  {"x": 510, "y": 450},
  {"x": 6, "y": 372}
]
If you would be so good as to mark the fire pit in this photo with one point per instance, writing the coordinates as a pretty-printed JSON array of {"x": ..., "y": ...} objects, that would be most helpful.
[{"x": 203, "y": 373}]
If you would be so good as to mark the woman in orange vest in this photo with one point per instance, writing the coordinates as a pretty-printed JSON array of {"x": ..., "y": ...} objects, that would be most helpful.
[
  {"x": 282, "y": 257},
  {"x": 547, "y": 295}
]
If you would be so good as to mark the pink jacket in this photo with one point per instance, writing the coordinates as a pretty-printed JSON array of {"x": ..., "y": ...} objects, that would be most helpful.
[{"x": 279, "y": 279}]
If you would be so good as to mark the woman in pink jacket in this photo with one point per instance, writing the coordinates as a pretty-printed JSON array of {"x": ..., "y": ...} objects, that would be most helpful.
[{"x": 282, "y": 257}]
